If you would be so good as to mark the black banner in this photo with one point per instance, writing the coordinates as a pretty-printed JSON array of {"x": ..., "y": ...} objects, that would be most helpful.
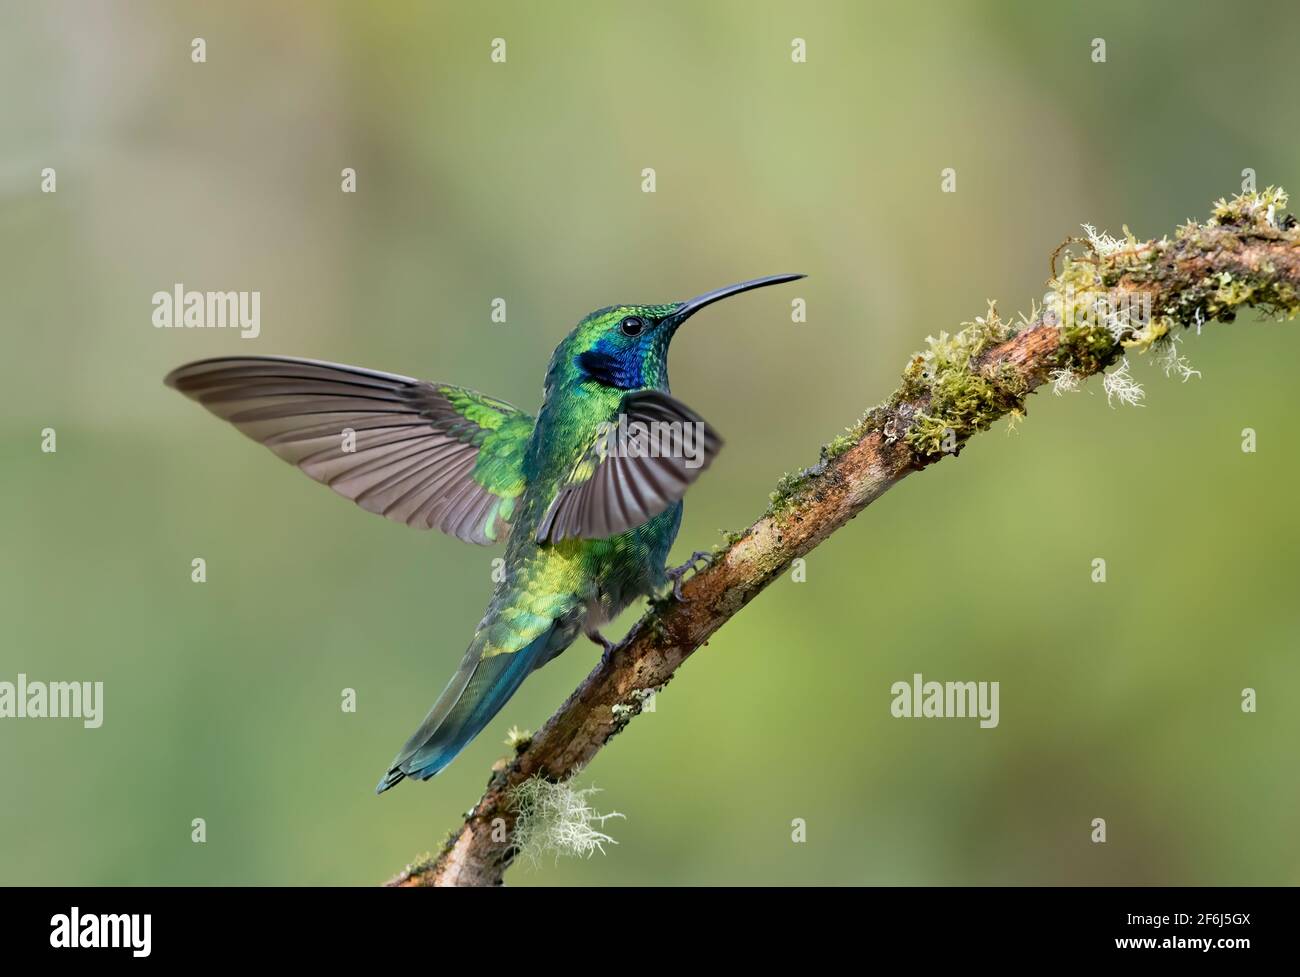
[{"x": 147, "y": 926}]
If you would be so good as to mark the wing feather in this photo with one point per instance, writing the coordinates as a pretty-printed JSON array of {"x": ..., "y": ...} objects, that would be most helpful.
[
  {"x": 610, "y": 492},
  {"x": 422, "y": 453}
]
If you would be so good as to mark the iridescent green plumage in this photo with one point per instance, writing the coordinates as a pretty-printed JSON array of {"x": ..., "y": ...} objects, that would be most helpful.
[{"x": 589, "y": 522}]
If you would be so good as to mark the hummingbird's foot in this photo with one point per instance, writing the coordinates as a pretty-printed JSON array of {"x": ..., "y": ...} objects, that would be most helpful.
[
  {"x": 604, "y": 643},
  {"x": 678, "y": 574}
]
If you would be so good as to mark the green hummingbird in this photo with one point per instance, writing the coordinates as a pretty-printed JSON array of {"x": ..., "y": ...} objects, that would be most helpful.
[{"x": 587, "y": 494}]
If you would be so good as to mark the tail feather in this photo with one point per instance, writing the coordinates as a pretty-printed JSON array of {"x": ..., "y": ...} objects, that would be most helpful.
[{"x": 476, "y": 693}]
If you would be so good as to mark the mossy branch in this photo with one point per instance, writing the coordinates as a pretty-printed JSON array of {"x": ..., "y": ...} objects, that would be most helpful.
[{"x": 1112, "y": 298}]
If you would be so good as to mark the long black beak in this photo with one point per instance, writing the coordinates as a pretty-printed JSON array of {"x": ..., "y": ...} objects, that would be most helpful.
[{"x": 692, "y": 306}]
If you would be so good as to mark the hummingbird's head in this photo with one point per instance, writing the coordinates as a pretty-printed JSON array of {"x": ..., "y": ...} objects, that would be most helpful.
[{"x": 625, "y": 347}]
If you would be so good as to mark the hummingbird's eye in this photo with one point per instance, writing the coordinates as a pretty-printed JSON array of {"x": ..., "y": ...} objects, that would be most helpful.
[{"x": 632, "y": 325}]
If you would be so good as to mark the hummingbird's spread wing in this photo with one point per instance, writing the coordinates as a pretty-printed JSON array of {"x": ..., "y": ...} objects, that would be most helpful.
[
  {"x": 638, "y": 465},
  {"x": 426, "y": 454}
]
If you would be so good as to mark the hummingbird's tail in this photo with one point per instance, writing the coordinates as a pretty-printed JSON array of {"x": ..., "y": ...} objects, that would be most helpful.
[{"x": 476, "y": 693}]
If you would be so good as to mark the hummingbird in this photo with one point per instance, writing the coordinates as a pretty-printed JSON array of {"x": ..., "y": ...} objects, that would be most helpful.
[{"x": 588, "y": 520}]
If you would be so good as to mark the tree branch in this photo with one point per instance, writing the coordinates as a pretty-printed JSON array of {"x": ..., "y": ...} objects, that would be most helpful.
[{"x": 1115, "y": 298}]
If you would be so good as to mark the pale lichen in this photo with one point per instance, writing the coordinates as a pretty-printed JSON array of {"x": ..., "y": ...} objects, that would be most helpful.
[
  {"x": 1172, "y": 360},
  {"x": 555, "y": 819},
  {"x": 622, "y": 711},
  {"x": 1064, "y": 382},
  {"x": 1102, "y": 302},
  {"x": 1101, "y": 243},
  {"x": 1120, "y": 385}
]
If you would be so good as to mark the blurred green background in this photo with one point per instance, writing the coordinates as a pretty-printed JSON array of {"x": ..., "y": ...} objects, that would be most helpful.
[{"x": 522, "y": 180}]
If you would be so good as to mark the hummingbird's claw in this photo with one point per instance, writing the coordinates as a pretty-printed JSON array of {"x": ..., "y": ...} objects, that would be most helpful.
[
  {"x": 678, "y": 574},
  {"x": 607, "y": 645}
]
